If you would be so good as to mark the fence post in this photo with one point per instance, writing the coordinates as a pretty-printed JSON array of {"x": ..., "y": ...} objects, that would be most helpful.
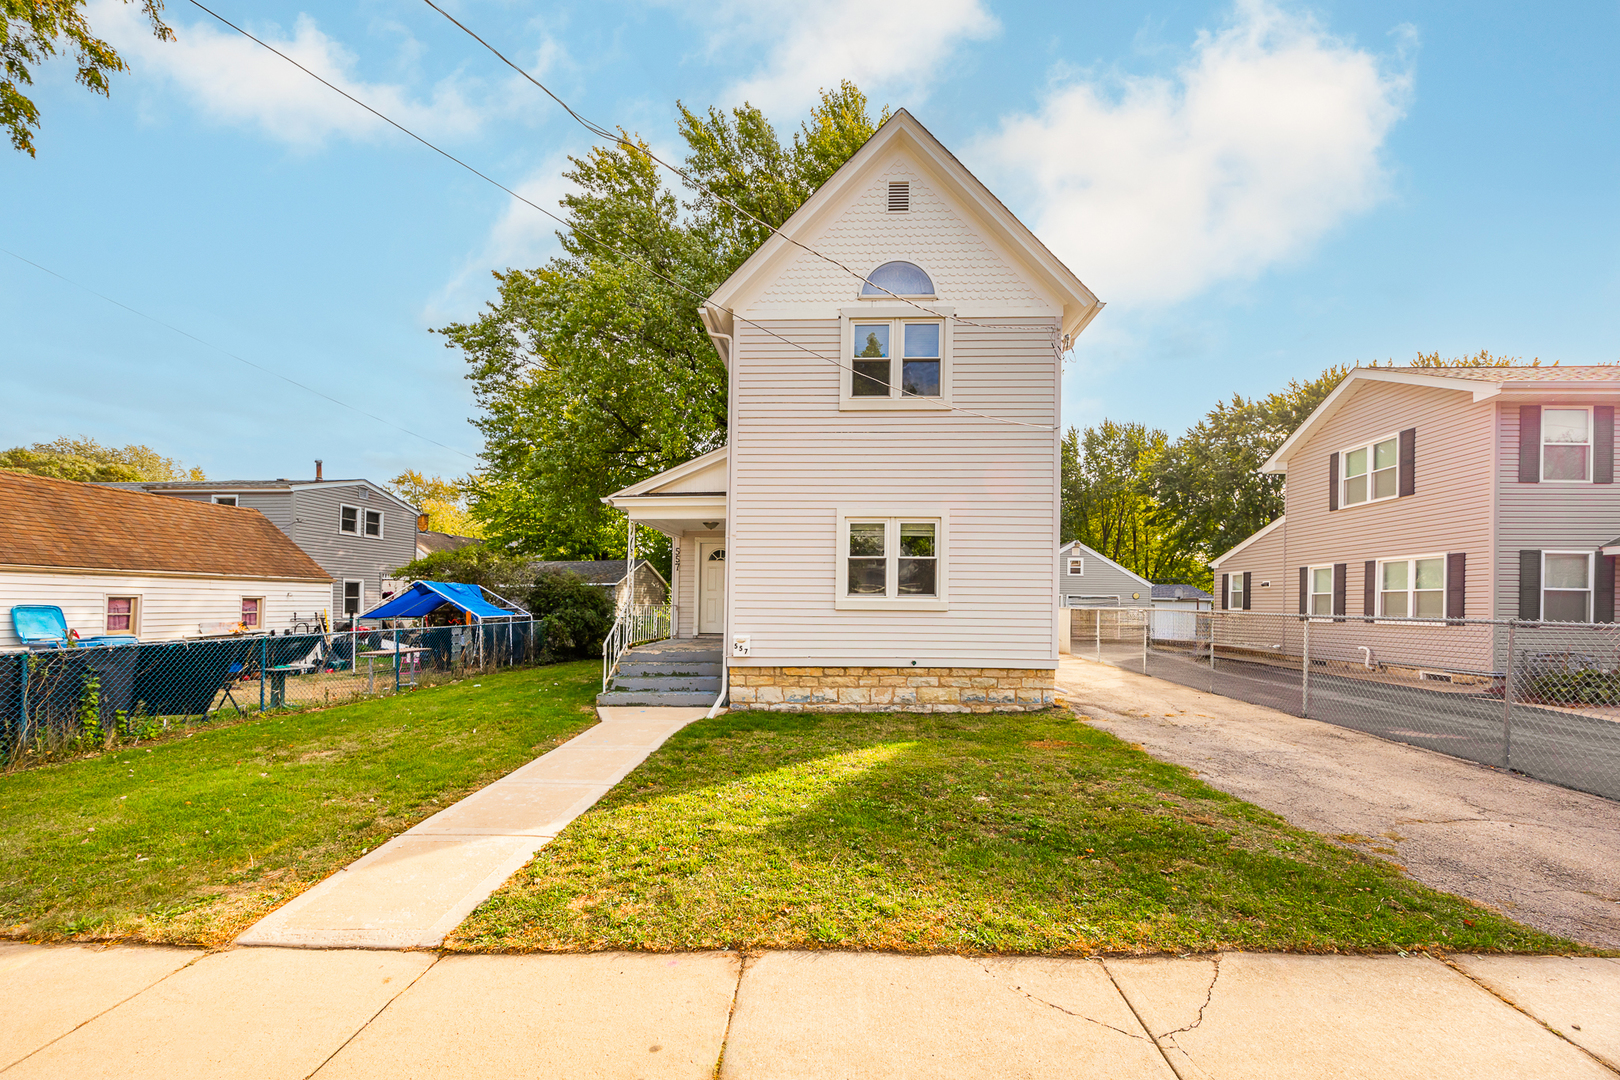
[
  {"x": 264, "y": 657},
  {"x": 1305, "y": 668},
  {"x": 1507, "y": 702},
  {"x": 1097, "y": 623},
  {"x": 1147, "y": 623},
  {"x": 1213, "y": 618}
]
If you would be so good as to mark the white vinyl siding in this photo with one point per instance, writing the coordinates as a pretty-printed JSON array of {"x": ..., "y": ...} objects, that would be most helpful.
[
  {"x": 167, "y": 608},
  {"x": 798, "y": 461}
]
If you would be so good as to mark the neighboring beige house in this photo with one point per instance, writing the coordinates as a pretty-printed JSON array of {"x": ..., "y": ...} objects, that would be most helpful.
[
  {"x": 129, "y": 564},
  {"x": 881, "y": 529},
  {"x": 1423, "y": 493}
]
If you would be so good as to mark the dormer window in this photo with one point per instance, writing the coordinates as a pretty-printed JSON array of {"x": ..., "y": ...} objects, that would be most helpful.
[{"x": 897, "y": 279}]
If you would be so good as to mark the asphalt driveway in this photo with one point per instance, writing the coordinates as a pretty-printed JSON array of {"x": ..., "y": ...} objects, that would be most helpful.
[{"x": 1545, "y": 855}]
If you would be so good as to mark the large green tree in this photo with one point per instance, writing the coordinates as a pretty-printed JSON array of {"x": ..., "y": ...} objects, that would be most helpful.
[
  {"x": 85, "y": 459},
  {"x": 593, "y": 371},
  {"x": 31, "y": 32}
]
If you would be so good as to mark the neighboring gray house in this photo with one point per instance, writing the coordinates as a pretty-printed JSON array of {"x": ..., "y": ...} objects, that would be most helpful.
[
  {"x": 431, "y": 543},
  {"x": 1086, "y": 579},
  {"x": 355, "y": 530},
  {"x": 651, "y": 589},
  {"x": 1178, "y": 597}
]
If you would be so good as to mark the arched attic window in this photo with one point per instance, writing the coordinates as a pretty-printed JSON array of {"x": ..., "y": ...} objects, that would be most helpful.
[{"x": 898, "y": 279}]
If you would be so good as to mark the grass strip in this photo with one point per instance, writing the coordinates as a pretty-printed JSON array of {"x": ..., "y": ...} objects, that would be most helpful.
[
  {"x": 192, "y": 839},
  {"x": 1031, "y": 833}
]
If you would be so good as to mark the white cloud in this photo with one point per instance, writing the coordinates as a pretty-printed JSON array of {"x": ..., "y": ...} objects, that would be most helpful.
[
  {"x": 892, "y": 51},
  {"x": 235, "y": 81},
  {"x": 1153, "y": 189}
]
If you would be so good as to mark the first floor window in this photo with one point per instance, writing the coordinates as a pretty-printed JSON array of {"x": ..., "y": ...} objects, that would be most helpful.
[
  {"x": 253, "y": 612},
  {"x": 1321, "y": 590},
  {"x": 1566, "y": 587},
  {"x": 351, "y": 597},
  {"x": 121, "y": 614},
  {"x": 374, "y": 523},
  {"x": 1235, "y": 591},
  {"x": 892, "y": 557},
  {"x": 349, "y": 520},
  {"x": 1412, "y": 588}
]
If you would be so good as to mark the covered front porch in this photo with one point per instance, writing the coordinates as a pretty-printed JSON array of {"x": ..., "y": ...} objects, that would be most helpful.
[{"x": 688, "y": 504}]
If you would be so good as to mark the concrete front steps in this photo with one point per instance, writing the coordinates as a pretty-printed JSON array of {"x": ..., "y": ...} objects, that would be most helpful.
[{"x": 678, "y": 673}]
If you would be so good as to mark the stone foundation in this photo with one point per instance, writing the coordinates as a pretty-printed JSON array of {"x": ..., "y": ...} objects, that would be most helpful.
[{"x": 864, "y": 689}]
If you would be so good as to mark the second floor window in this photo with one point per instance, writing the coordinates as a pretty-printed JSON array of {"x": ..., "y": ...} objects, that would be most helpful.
[
  {"x": 349, "y": 519},
  {"x": 895, "y": 359},
  {"x": 374, "y": 523},
  {"x": 1566, "y": 444},
  {"x": 1370, "y": 472}
]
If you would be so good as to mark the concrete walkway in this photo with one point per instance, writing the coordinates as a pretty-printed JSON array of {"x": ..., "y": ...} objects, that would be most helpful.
[
  {"x": 1544, "y": 855},
  {"x": 415, "y": 889},
  {"x": 287, "y": 1014}
]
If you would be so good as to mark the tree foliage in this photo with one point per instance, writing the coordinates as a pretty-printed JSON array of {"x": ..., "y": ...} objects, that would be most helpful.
[
  {"x": 592, "y": 372},
  {"x": 85, "y": 459},
  {"x": 578, "y": 615},
  {"x": 31, "y": 32},
  {"x": 443, "y": 501}
]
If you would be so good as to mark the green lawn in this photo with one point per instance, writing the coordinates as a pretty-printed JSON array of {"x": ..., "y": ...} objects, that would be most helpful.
[
  {"x": 193, "y": 838},
  {"x": 1021, "y": 834}
]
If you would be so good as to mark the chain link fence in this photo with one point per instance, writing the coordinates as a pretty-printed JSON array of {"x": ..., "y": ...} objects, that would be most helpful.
[
  {"x": 1538, "y": 698},
  {"x": 58, "y": 700}
]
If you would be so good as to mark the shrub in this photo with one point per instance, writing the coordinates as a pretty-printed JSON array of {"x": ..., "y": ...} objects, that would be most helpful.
[{"x": 578, "y": 616}]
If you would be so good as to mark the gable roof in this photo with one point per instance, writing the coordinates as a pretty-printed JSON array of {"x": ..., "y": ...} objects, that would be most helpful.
[
  {"x": 1177, "y": 591},
  {"x": 1481, "y": 382},
  {"x": 654, "y": 484},
  {"x": 62, "y": 524},
  {"x": 435, "y": 542},
  {"x": 1240, "y": 545},
  {"x": 1080, "y": 304},
  {"x": 1092, "y": 552}
]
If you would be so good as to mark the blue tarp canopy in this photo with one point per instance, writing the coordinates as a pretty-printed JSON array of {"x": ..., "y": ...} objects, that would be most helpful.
[{"x": 427, "y": 596}]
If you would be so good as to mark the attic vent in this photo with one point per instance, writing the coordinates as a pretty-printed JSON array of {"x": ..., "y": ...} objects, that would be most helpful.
[{"x": 899, "y": 196}]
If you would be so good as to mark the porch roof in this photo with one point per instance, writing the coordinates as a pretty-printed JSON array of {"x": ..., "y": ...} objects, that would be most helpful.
[{"x": 690, "y": 497}]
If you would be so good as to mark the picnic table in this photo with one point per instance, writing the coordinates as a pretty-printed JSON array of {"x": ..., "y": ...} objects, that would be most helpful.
[{"x": 278, "y": 681}]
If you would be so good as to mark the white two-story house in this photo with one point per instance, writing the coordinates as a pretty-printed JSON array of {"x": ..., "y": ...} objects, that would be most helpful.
[{"x": 880, "y": 530}]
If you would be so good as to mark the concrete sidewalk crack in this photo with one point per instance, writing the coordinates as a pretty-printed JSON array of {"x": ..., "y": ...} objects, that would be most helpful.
[
  {"x": 373, "y": 1017},
  {"x": 1516, "y": 1007},
  {"x": 736, "y": 992},
  {"x": 1061, "y": 1009},
  {"x": 1208, "y": 996}
]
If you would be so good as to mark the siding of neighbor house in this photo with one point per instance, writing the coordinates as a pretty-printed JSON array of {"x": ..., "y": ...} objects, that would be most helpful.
[
  {"x": 1449, "y": 511},
  {"x": 797, "y": 460},
  {"x": 275, "y": 505},
  {"x": 1101, "y": 585},
  {"x": 1266, "y": 561},
  {"x": 346, "y": 556},
  {"x": 1544, "y": 516},
  {"x": 686, "y": 575}
]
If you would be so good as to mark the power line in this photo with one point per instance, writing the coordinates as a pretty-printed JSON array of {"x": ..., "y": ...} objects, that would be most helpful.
[
  {"x": 603, "y": 133},
  {"x": 595, "y": 239},
  {"x": 233, "y": 356}
]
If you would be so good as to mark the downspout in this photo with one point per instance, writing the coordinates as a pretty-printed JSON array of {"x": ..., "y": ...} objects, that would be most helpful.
[{"x": 731, "y": 469}]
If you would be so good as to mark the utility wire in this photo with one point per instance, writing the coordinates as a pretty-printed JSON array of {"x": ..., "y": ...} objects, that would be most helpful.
[
  {"x": 597, "y": 240},
  {"x": 603, "y": 133},
  {"x": 233, "y": 356}
]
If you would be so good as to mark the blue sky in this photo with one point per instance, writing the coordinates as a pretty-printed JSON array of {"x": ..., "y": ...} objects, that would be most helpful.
[{"x": 1258, "y": 190}]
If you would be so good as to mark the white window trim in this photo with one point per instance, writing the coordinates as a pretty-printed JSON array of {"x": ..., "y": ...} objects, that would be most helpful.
[
  {"x": 1310, "y": 594},
  {"x": 343, "y": 597},
  {"x": 134, "y": 612},
  {"x": 244, "y": 600},
  {"x": 1591, "y": 450},
  {"x": 1073, "y": 561},
  {"x": 894, "y": 314},
  {"x": 892, "y": 517},
  {"x": 1234, "y": 590},
  {"x": 380, "y": 525},
  {"x": 359, "y": 520},
  {"x": 1368, "y": 446},
  {"x": 236, "y": 500},
  {"x": 1411, "y": 588},
  {"x": 1591, "y": 580}
]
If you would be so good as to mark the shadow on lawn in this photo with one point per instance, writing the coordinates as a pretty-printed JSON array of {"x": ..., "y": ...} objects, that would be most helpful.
[{"x": 1003, "y": 833}]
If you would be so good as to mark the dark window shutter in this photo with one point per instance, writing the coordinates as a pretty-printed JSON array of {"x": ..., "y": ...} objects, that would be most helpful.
[
  {"x": 1603, "y": 444},
  {"x": 1247, "y": 578},
  {"x": 1406, "y": 476},
  {"x": 1530, "y": 585},
  {"x": 1603, "y": 595},
  {"x": 1530, "y": 447},
  {"x": 1304, "y": 589},
  {"x": 1456, "y": 585},
  {"x": 1340, "y": 572},
  {"x": 1369, "y": 588},
  {"x": 1333, "y": 481},
  {"x": 1226, "y": 590}
]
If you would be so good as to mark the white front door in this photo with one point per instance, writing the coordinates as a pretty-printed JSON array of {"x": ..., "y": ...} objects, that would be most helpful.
[{"x": 711, "y": 571}]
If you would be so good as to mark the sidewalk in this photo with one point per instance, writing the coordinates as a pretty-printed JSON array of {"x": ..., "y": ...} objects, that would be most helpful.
[
  {"x": 1544, "y": 855},
  {"x": 413, "y": 890},
  {"x": 284, "y": 1014}
]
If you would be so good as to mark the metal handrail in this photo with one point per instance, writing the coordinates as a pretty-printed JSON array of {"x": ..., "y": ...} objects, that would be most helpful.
[{"x": 634, "y": 627}]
